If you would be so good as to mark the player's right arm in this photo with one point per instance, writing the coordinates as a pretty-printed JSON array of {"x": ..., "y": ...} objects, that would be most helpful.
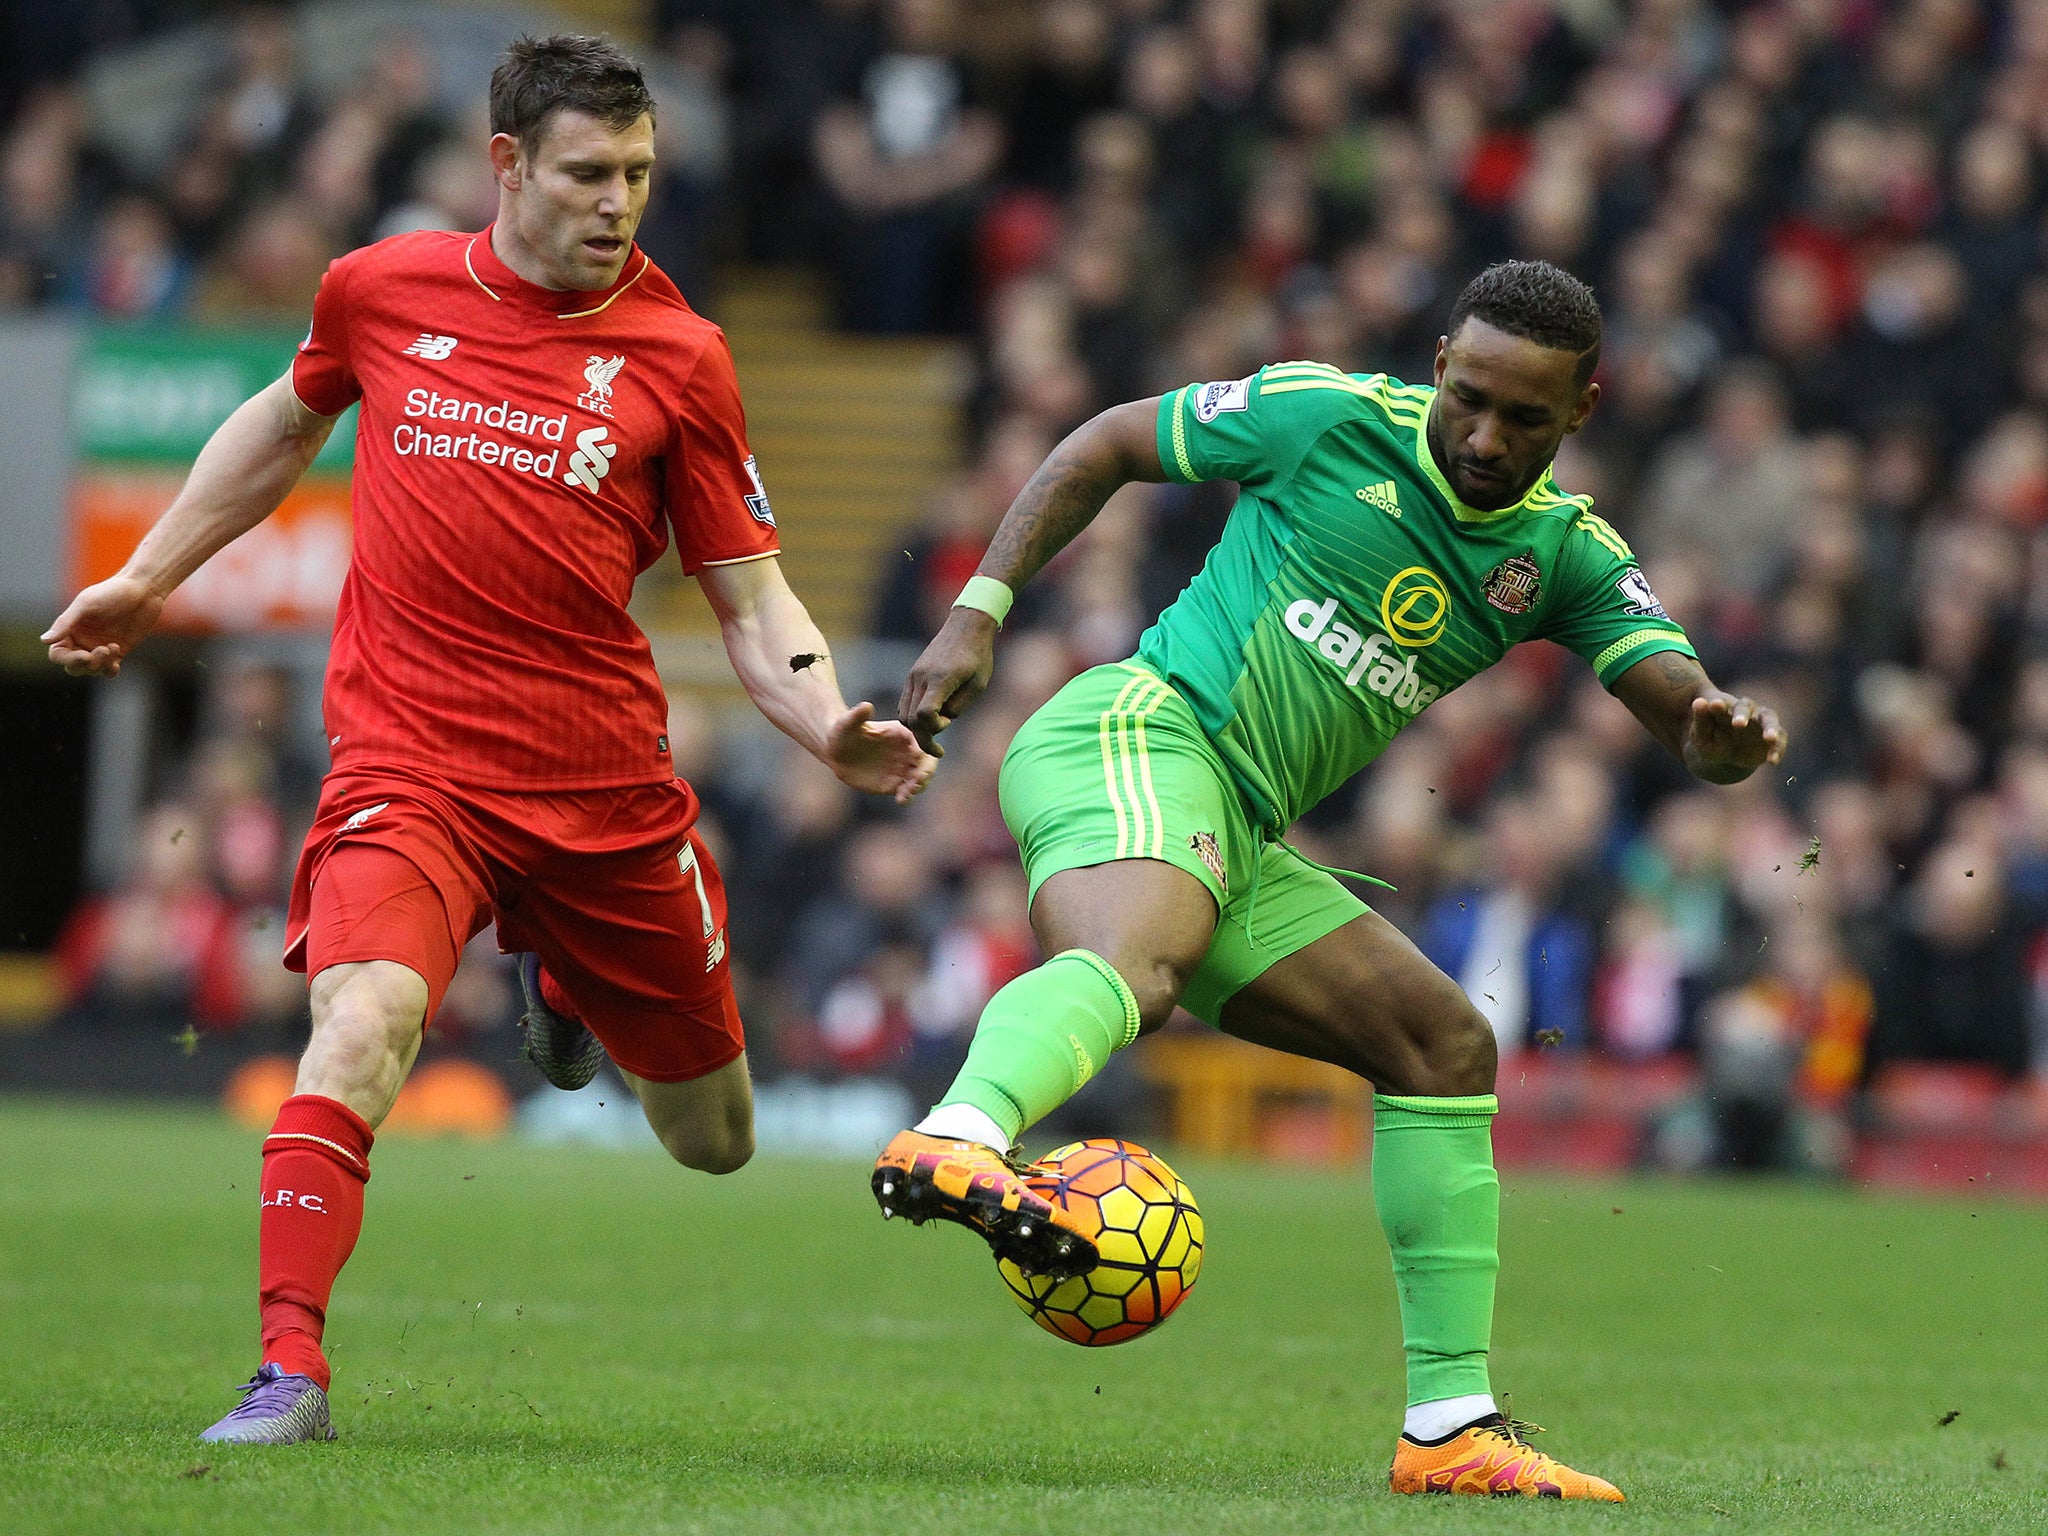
[
  {"x": 1094, "y": 461},
  {"x": 246, "y": 468}
]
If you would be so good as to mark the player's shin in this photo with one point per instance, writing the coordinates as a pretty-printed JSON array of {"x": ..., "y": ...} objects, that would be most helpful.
[
  {"x": 316, "y": 1161},
  {"x": 1039, "y": 1040},
  {"x": 1439, "y": 1203}
]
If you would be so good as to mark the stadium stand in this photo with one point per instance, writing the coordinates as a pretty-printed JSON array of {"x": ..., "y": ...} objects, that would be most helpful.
[{"x": 1816, "y": 228}]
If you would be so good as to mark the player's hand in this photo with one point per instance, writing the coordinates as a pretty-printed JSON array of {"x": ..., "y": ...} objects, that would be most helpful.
[
  {"x": 1735, "y": 735},
  {"x": 949, "y": 676},
  {"x": 880, "y": 757},
  {"x": 103, "y": 624}
]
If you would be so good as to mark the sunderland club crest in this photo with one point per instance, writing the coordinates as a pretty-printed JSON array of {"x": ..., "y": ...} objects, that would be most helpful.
[
  {"x": 1515, "y": 583},
  {"x": 598, "y": 373}
]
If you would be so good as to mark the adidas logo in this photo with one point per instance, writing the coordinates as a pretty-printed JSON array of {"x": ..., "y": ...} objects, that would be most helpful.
[{"x": 1383, "y": 496}]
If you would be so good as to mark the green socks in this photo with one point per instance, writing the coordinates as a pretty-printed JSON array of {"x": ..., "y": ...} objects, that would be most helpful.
[
  {"x": 1439, "y": 1204},
  {"x": 1049, "y": 1031},
  {"x": 1043, "y": 1036}
]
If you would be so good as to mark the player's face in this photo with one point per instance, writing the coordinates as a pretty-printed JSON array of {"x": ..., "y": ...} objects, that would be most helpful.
[
  {"x": 573, "y": 202},
  {"x": 1503, "y": 404}
]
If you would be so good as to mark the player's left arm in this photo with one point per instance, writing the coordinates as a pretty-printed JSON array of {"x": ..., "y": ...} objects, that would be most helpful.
[
  {"x": 1720, "y": 737},
  {"x": 784, "y": 665}
]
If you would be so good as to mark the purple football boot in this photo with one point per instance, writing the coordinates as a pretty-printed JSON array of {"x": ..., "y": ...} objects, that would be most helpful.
[{"x": 277, "y": 1409}]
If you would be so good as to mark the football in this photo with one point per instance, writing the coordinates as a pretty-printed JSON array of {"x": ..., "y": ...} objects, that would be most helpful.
[{"x": 1147, "y": 1231}]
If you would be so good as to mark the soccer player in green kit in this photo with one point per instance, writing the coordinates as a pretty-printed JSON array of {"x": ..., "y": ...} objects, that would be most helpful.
[{"x": 1389, "y": 542}]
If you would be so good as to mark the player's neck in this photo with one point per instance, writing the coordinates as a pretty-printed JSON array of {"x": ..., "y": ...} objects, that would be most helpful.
[{"x": 519, "y": 257}]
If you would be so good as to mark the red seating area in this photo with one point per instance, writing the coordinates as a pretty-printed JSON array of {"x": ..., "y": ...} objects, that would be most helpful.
[{"x": 1927, "y": 1126}]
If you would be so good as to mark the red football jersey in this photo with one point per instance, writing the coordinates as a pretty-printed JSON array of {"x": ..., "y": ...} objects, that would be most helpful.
[{"x": 522, "y": 455}]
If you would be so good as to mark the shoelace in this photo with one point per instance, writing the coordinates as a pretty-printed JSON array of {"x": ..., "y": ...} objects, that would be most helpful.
[
  {"x": 253, "y": 1399},
  {"x": 1516, "y": 1431},
  {"x": 253, "y": 1391}
]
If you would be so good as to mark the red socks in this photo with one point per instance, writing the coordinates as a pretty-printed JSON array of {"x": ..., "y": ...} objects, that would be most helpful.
[
  {"x": 316, "y": 1161},
  {"x": 552, "y": 994}
]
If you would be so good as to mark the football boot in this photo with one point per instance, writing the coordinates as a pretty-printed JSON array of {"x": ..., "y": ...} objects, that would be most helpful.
[
  {"x": 930, "y": 1178},
  {"x": 562, "y": 1047},
  {"x": 278, "y": 1408},
  {"x": 1492, "y": 1456}
]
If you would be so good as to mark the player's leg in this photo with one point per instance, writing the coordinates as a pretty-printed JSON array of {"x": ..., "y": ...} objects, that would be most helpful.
[
  {"x": 1124, "y": 817},
  {"x": 1366, "y": 999},
  {"x": 1124, "y": 937},
  {"x": 381, "y": 939},
  {"x": 706, "y": 1122},
  {"x": 630, "y": 926}
]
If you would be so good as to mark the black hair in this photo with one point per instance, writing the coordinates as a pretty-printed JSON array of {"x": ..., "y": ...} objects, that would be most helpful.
[
  {"x": 1537, "y": 302},
  {"x": 565, "y": 73}
]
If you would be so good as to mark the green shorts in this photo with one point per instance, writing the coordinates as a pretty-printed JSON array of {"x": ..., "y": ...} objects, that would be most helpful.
[{"x": 1115, "y": 766}]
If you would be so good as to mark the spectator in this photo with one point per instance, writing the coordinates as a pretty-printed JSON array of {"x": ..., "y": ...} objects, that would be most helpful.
[
  {"x": 902, "y": 160},
  {"x": 1732, "y": 490},
  {"x": 159, "y": 952},
  {"x": 1954, "y": 984},
  {"x": 1523, "y": 960}
]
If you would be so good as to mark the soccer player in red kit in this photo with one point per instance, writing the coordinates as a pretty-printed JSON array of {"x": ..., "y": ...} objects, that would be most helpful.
[{"x": 541, "y": 415}]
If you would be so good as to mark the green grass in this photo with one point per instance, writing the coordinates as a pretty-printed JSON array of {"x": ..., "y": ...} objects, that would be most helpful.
[{"x": 579, "y": 1341}]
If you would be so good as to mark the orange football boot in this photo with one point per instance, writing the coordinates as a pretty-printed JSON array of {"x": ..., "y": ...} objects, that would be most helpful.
[
  {"x": 1492, "y": 1457},
  {"x": 930, "y": 1178}
]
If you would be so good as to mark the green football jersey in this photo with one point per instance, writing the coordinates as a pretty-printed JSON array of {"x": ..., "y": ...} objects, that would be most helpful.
[{"x": 1352, "y": 587}]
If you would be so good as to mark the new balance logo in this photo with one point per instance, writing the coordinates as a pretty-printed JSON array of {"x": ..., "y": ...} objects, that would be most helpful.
[
  {"x": 356, "y": 821},
  {"x": 1384, "y": 496},
  {"x": 433, "y": 348},
  {"x": 592, "y": 460}
]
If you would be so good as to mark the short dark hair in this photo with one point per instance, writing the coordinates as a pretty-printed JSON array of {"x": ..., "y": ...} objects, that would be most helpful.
[
  {"x": 1539, "y": 303},
  {"x": 565, "y": 73}
]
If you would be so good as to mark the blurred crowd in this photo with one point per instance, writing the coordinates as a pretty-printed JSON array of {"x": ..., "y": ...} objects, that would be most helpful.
[{"x": 1816, "y": 229}]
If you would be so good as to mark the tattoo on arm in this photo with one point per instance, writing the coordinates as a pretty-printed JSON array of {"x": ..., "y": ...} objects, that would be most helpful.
[
  {"x": 1659, "y": 691},
  {"x": 1057, "y": 502},
  {"x": 1680, "y": 671}
]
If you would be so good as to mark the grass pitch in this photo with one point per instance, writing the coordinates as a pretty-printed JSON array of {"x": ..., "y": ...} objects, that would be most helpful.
[{"x": 582, "y": 1341}]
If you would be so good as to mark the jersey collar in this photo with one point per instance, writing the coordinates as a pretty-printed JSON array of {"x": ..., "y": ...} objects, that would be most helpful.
[
  {"x": 1464, "y": 514},
  {"x": 502, "y": 283}
]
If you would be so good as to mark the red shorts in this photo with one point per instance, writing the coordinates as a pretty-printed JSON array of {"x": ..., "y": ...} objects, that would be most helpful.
[{"x": 611, "y": 887}]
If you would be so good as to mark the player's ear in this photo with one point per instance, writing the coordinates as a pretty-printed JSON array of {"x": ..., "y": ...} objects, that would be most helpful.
[
  {"x": 1443, "y": 348},
  {"x": 505, "y": 163},
  {"x": 1583, "y": 407}
]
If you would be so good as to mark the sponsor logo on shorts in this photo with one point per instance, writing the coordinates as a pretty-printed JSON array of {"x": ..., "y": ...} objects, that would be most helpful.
[
  {"x": 1204, "y": 844},
  {"x": 1212, "y": 400},
  {"x": 361, "y": 817},
  {"x": 1514, "y": 585}
]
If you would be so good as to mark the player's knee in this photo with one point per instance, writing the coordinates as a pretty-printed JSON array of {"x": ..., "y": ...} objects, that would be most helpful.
[
  {"x": 367, "y": 1022},
  {"x": 1460, "y": 1056},
  {"x": 715, "y": 1138},
  {"x": 1157, "y": 981},
  {"x": 725, "y": 1149}
]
